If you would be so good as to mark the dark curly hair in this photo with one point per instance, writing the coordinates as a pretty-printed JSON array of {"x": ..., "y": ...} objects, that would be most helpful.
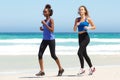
[{"x": 48, "y": 6}]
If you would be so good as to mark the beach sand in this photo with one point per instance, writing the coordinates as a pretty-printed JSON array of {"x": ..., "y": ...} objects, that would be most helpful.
[
  {"x": 102, "y": 73},
  {"x": 25, "y": 67}
]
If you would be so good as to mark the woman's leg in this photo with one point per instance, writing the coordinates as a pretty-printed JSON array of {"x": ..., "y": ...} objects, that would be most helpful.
[
  {"x": 82, "y": 51},
  {"x": 80, "y": 55},
  {"x": 41, "y": 51},
  {"x": 53, "y": 55},
  {"x": 86, "y": 42},
  {"x": 92, "y": 69},
  {"x": 87, "y": 58},
  {"x": 83, "y": 42}
]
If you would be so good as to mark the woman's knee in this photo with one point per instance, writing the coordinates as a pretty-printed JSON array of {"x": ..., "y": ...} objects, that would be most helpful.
[
  {"x": 40, "y": 56},
  {"x": 54, "y": 57},
  {"x": 80, "y": 54}
]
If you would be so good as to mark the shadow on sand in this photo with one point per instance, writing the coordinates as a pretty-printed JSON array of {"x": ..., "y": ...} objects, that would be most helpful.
[{"x": 51, "y": 76}]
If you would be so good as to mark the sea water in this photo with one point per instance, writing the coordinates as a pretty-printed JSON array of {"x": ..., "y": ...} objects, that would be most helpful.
[{"x": 66, "y": 43}]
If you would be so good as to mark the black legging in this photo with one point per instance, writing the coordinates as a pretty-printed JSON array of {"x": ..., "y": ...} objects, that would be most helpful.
[
  {"x": 43, "y": 46},
  {"x": 82, "y": 53}
]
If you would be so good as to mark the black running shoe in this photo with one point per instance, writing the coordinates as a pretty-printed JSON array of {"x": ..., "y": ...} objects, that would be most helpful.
[
  {"x": 40, "y": 74},
  {"x": 60, "y": 72}
]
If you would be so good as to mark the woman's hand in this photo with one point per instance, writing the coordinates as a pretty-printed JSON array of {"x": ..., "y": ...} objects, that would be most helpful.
[
  {"x": 87, "y": 28},
  {"x": 49, "y": 27},
  {"x": 43, "y": 22},
  {"x": 41, "y": 28}
]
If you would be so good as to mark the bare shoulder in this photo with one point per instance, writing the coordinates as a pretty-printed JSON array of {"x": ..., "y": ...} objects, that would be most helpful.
[
  {"x": 89, "y": 19},
  {"x": 51, "y": 20},
  {"x": 77, "y": 19}
]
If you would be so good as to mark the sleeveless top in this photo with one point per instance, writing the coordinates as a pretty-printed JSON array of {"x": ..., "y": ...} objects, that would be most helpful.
[
  {"x": 47, "y": 34},
  {"x": 82, "y": 25}
]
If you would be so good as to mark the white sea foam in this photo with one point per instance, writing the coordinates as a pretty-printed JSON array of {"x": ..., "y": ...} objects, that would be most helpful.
[
  {"x": 105, "y": 40},
  {"x": 30, "y": 49},
  {"x": 62, "y": 50},
  {"x": 57, "y": 40}
]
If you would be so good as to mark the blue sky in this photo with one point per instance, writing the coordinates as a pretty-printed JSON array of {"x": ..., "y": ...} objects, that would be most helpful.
[{"x": 26, "y": 15}]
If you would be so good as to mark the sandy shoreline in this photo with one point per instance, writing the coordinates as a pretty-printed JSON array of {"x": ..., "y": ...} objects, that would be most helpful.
[
  {"x": 25, "y": 67},
  {"x": 102, "y": 73}
]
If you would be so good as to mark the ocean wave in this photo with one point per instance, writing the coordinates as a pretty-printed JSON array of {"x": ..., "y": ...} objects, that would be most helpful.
[
  {"x": 62, "y": 50},
  {"x": 57, "y": 40}
]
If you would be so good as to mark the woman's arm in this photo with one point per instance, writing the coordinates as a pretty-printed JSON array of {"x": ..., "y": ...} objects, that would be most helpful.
[
  {"x": 91, "y": 24},
  {"x": 75, "y": 25},
  {"x": 51, "y": 27}
]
